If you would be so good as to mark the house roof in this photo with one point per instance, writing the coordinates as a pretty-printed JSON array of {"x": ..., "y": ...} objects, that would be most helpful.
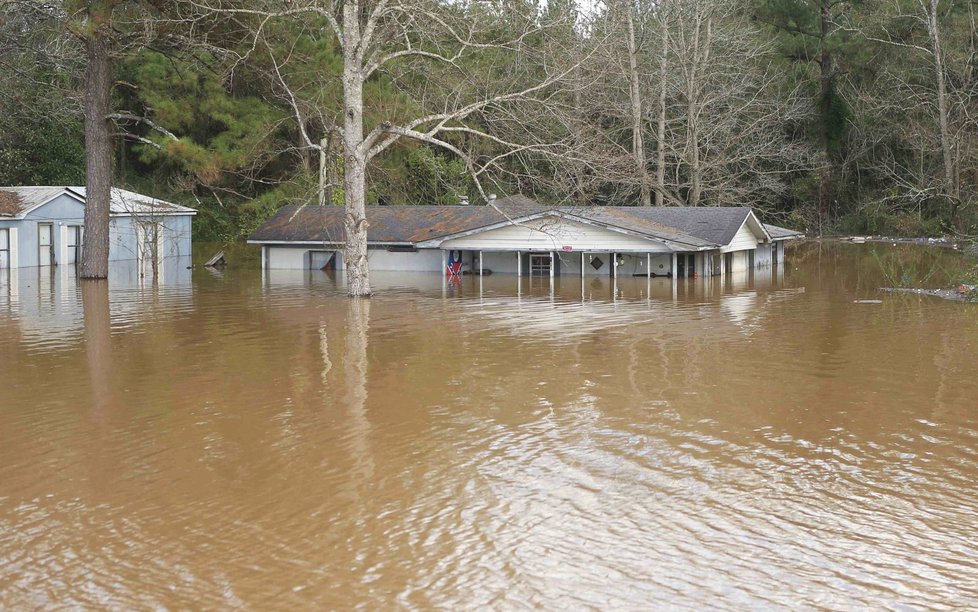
[
  {"x": 18, "y": 201},
  {"x": 698, "y": 228},
  {"x": 389, "y": 224},
  {"x": 781, "y": 233},
  {"x": 709, "y": 225}
]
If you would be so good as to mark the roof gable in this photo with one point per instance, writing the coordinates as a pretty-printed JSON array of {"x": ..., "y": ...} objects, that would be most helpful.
[
  {"x": 19, "y": 201},
  {"x": 607, "y": 219}
]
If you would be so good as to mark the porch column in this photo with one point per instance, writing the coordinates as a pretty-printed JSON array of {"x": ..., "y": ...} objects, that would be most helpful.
[
  {"x": 519, "y": 264},
  {"x": 675, "y": 266},
  {"x": 444, "y": 262},
  {"x": 614, "y": 265},
  {"x": 582, "y": 265},
  {"x": 551, "y": 265},
  {"x": 480, "y": 264},
  {"x": 648, "y": 265}
]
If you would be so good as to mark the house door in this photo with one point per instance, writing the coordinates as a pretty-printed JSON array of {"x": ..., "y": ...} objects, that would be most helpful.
[
  {"x": 540, "y": 264},
  {"x": 45, "y": 244}
]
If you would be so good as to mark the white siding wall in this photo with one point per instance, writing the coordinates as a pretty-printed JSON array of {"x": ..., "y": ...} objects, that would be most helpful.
[
  {"x": 380, "y": 259},
  {"x": 739, "y": 263},
  {"x": 551, "y": 234},
  {"x": 424, "y": 260},
  {"x": 499, "y": 263},
  {"x": 762, "y": 257},
  {"x": 743, "y": 239},
  {"x": 287, "y": 258}
]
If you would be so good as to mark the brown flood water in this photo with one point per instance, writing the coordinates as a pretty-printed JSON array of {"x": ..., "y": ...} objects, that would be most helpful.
[{"x": 225, "y": 441}]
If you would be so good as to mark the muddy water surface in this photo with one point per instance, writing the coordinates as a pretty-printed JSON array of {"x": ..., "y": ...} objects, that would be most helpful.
[{"x": 225, "y": 440}]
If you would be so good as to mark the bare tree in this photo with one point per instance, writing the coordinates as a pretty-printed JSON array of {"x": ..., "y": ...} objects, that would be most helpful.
[
  {"x": 400, "y": 40},
  {"x": 725, "y": 130},
  {"x": 635, "y": 83},
  {"x": 923, "y": 102},
  {"x": 660, "y": 125}
]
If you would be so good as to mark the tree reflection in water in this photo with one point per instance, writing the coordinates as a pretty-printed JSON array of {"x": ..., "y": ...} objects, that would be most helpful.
[{"x": 98, "y": 343}]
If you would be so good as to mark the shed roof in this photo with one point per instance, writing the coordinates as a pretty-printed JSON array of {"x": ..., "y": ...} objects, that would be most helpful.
[
  {"x": 699, "y": 227},
  {"x": 17, "y": 201}
]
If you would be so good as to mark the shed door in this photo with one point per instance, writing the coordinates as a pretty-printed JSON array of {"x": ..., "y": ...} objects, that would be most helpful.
[
  {"x": 45, "y": 244},
  {"x": 74, "y": 244},
  {"x": 4, "y": 248}
]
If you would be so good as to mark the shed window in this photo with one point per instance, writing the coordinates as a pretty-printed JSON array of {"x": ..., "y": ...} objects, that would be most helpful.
[{"x": 4, "y": 248}]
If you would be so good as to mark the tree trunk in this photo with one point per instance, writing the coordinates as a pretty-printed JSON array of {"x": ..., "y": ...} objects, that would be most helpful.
[
  {"x": 942, "y": 103},
  {"x": 98, "y": 158},
  {"x": 692, "y": 138},
  {"x": 660, "y": 130},
  {"x": 355, "y": 169},
  {"x": 634, "y": 87},
  {"x": 826, "y": 78},
  {"x": 695, "y": 180}
]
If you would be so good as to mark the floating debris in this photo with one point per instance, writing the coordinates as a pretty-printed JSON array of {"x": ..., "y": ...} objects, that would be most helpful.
[
  {"x": 958, "y": 294},
  {"x": 216, "y": 261}
]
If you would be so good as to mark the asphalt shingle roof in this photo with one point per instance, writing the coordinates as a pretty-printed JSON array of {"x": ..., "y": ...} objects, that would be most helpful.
[
  {"x": 15, "y": 200},
  {"x": 780, "y": 232},
  {"x": 696, "y": 227},
  {"x": 397, "y": 224}
]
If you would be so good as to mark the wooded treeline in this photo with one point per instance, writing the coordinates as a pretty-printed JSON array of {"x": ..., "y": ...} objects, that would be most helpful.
[{"x": 828, "y": 115}]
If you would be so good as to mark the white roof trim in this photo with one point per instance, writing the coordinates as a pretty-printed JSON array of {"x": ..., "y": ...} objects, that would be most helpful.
[
  {"x": 325, "y": 243},
  {"x": 757, "y": 225}
]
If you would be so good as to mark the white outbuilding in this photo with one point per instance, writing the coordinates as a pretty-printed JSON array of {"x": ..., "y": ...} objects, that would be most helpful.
[{"x": 44, "y": 226}]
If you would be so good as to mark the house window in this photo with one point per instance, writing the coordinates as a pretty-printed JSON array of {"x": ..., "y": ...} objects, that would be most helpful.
[{"x": 4, "y": 248}]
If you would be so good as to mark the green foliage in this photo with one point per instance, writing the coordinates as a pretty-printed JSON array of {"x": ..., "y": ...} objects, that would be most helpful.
[
  {"x": 432, "y": 177},
  {"x": 41, "y": 153},
  {"x": 219, "y": 130}
]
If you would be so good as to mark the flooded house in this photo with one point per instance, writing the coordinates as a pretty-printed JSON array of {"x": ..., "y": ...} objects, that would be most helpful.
[
  {"x": 516, "y": 235},
  {"x": 45, "y": 226}
]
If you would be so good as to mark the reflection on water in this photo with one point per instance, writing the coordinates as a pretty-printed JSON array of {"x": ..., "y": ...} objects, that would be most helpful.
[{"x": 238, "y": 439}]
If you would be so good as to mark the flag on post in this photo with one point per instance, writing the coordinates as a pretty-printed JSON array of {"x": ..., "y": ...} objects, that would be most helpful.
[{"x": 454, "y": 268}]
